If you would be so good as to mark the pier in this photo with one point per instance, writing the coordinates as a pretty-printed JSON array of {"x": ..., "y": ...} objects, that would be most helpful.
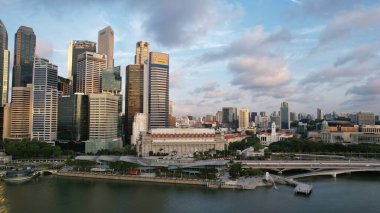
[{"x": 299, "y": 188}]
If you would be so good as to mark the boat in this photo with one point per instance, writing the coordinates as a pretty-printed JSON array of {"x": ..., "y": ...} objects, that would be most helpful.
[{"x": 20, "y": 176}]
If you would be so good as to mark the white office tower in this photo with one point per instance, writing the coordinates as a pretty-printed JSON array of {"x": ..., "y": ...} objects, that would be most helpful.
[
  {"x": 45, "y": 101},
  {"x": 103, "y": 120},
  {"x": 140, "y": 125},
  {"x": 89, "y": 72}
]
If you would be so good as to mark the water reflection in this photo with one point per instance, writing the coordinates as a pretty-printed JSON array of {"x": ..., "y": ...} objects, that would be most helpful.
[{"x": 3, "y": 200}]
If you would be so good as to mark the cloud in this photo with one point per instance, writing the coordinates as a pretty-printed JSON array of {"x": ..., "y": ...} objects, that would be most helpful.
[
  {"x": 352, "y": 67},
  {"x": 207, "y": 87},
  {"x": 44, "y": 49},
  {"x": 179, "y": 23},
  {"x": 259, "y": 73},
  {"x": 176, "y": 78},
  {"x": 327, "y": 7},
  {"x": 370, "y": 88},
  {"x": 253, "y": 42},
  {"x": 348, "y": 24}
]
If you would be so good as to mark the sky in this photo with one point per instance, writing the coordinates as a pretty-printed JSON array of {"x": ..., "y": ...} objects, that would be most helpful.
[{"x": 251, "y": 54}]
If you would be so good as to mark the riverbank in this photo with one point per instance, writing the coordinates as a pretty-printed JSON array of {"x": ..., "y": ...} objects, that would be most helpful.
[
  {"x": 134, "y": 178},
  {"x": 242, "y": 183}
]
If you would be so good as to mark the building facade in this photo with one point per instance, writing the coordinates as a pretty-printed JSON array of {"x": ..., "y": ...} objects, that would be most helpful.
[
  {"x": 89, "y": 73},
  {"x": 76, "y": 48},
  {"x": 180, "y": 141},
  {"x": 64, "y": 86},
  {"x": 45, "y": 101},
  {"x": 243, "y": 119},
  {"x": 285, "y": 115},
  {"x": 320, "y": 114},
  {"x": 267, "y": 138},
  {"x": 230, "y": 117},
  {"x": 73, "y": 117},
  {"x": 25, "y": 45},
  {"x": 142, "y": 52},
  {"x": 106, "y": 44},
  {"x": 21, "y": 112},
  {"x": 134, "y": 97},
  {"x": 365, "y": 118},
  {"x": 158, "y": 90},
  {"x": 4, "y": 64}
]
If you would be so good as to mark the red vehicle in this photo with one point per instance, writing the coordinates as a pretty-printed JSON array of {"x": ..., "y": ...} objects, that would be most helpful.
[{"x": 133, "y": 172}]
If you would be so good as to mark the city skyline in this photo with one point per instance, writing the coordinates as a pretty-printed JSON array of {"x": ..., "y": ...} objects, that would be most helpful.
[{"x": 318, "y": 63}]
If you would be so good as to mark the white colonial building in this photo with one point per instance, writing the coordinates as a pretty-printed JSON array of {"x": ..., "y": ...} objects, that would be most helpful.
[
  {"x": 179, "y": 141},
  {"x": 268, "y": 138}
]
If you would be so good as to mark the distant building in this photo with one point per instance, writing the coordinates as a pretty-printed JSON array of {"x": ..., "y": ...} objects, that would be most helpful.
[
  {"x": 64, "y": 86},
  {"x": 268, "y": 138},
  {"x": 73, "y": 117},
  {"x": 158, "y": 90},
  {"x": 45, "y": 101},
  {"x": 25, "y": 45},
  {"x": 142, "y": 52},
  {"x": 106, "y": 44},
  {"x": 253, "y": 117},
  {"x": 365, "y": 118},
  {"x": 230, "y": 119},
  {"x": 89, "y": 72},
  {"x": 285, "y": 115},
  {"x": 243, "y": 119},
  {"x": 183, "y": 142},
  {"x": 293, "y": 116},
  {"x": 320, "y": 114},
  {"x": 76, "y": 48},
  {"x": 140, "y": 125}
]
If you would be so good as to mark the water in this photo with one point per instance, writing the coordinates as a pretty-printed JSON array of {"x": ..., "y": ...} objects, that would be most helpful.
[{"x": 349, "y": 193}]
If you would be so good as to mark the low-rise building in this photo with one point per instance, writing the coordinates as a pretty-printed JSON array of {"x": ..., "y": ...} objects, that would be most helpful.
[
  {"x": 180, "y": 141},
  {"x": 268, "y": 138}
]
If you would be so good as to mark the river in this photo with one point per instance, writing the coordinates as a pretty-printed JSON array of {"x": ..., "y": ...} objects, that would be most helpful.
[{"x": 347, "y": 193}]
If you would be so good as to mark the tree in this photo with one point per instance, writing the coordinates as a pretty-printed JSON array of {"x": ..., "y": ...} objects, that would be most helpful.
[{"x": 235, "y": 170}]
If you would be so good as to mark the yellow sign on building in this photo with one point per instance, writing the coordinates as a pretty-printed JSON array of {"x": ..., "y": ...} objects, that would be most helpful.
[{"x": 160, "y": 58}]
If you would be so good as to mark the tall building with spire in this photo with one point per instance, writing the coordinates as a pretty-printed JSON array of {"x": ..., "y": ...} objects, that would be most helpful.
[
  {"x": 76, "y": 48},
  {"x": 142, "y": 52},
  {"x": 25, "y": 45},
  {"x": 105, "y": 44},
  {"x": 45, "y": 101}
]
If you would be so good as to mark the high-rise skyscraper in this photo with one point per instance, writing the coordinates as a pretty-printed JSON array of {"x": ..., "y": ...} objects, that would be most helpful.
[
  {"x": 285, "y": 115},
  {"x": 158, "y": 90},
  {"x": 45, "y": 101},
  {"x": 21, "y": 112},
  {"x": 230, "y": 117},
  {"x": 89, "y": 73},
  {"x": 320, "y": 114},
  {"x": 243, "y": 118},
  {"x": 142, "y": 52},
  {"x": 134, "y": 96},
  {"x": 25, "y": 45},
  {"x": 4, "y": 64},
  {"x": 253, "y": 117},
  {"x": 76, "y": 48},
  {"x": 73, "y": 117},
  {"x": 105, "y": 44}
]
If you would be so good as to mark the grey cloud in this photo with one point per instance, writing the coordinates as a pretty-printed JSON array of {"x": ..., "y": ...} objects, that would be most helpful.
[
  {"x": 254, "y": 42},
  {"x": 352, "y": 67},
  {"x": 179, "y": 23},
  {"x": 370, "y": 88},
  {"x": 207, "y": 87},
  {"x": 259, "y": 73},
  {"x": 345, "y": 25}
]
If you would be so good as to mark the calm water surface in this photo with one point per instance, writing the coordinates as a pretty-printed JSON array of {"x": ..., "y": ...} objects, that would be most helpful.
[{"x": 357, "y": 193}]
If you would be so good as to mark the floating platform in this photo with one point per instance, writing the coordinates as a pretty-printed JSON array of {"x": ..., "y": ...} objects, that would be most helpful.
[{"x": 302, "y": 188}]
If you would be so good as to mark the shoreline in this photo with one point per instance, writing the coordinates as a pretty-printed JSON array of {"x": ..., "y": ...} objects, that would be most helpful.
[{"x": 210, "y": 184}]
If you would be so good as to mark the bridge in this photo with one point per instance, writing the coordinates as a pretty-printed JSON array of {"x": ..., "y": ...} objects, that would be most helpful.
[{"x": 315, "y": 168}]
